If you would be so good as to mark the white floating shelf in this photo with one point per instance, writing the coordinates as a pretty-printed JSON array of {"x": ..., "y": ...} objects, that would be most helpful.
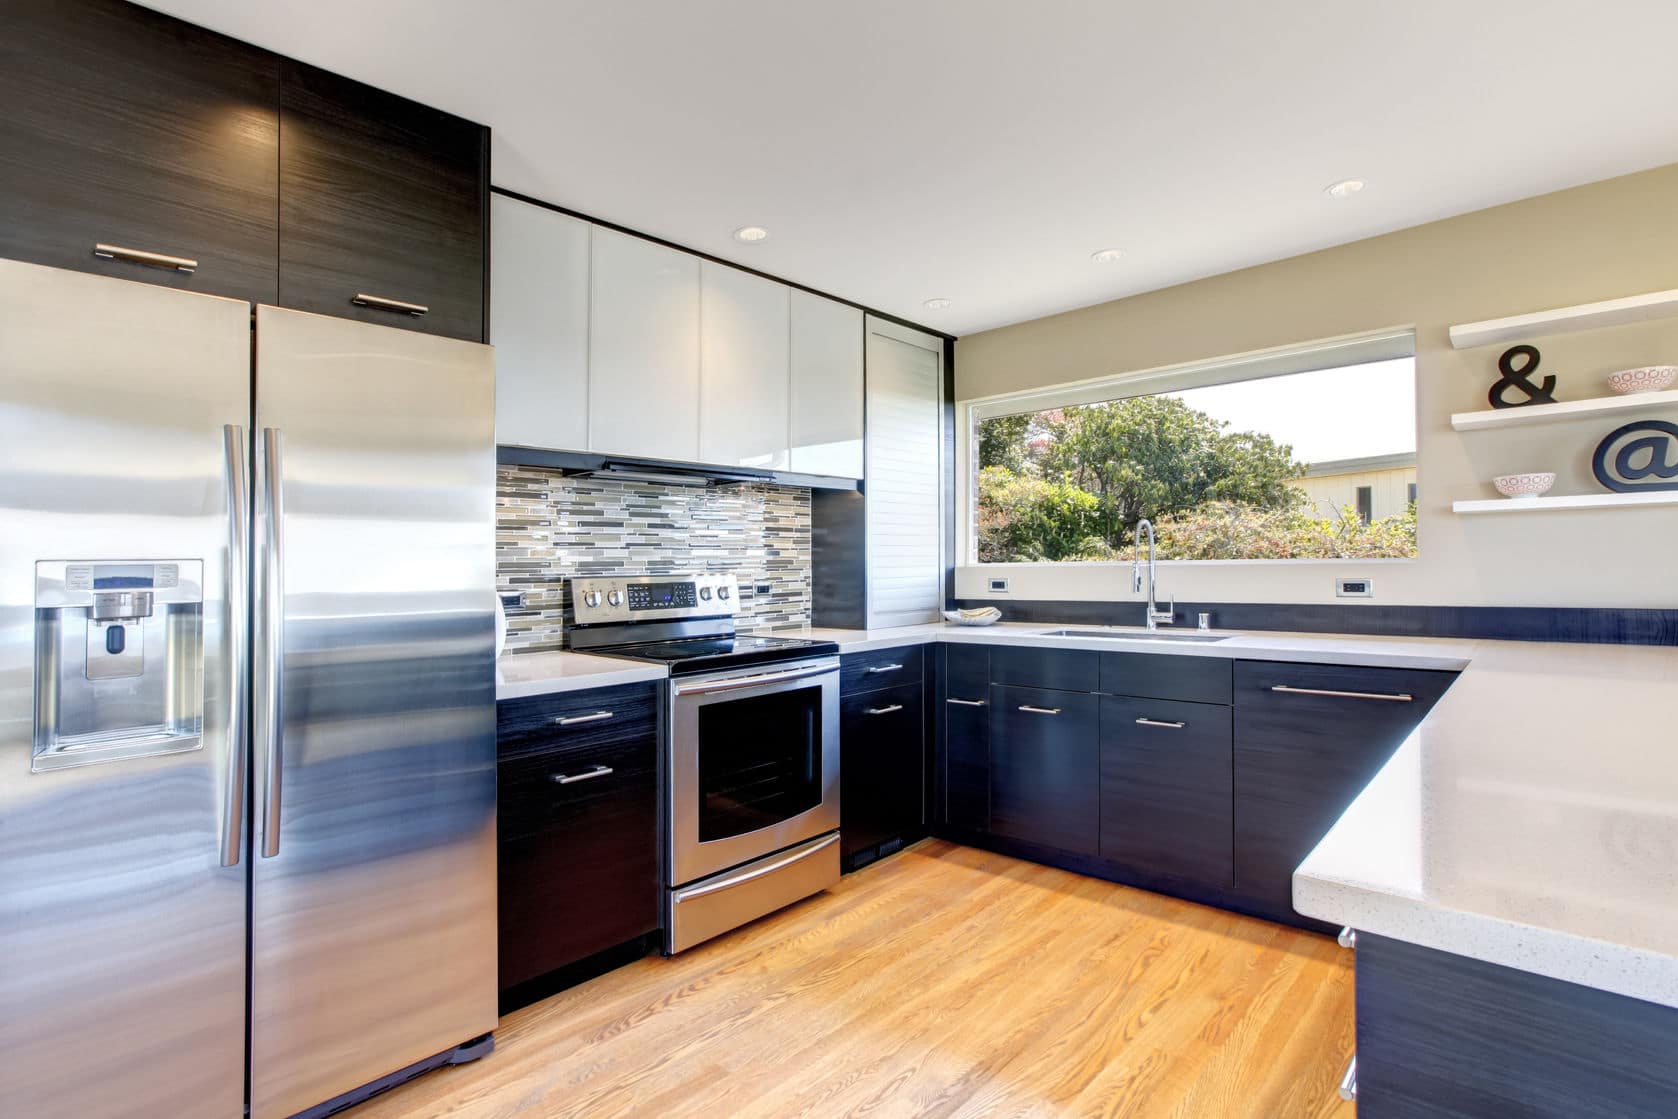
[
  {"x": 1586, "y": 316},
  {"x": 1566, "y": 410},
  {"x": 1555, "y": 504}
]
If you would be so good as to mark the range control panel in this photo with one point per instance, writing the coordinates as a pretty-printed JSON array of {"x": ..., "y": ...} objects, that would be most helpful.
[{"x": 637, "y": 598}]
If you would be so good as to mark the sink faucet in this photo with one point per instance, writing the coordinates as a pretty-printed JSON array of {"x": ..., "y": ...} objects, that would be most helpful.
[{"x": 1156, "y": 617}]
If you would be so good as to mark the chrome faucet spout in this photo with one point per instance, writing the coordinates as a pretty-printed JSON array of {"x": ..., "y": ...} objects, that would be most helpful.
[{"x": 1155, "y": 617}]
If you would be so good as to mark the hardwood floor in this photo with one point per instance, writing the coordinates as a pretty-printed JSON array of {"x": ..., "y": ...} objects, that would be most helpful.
[{"x": 944, "y": 981}]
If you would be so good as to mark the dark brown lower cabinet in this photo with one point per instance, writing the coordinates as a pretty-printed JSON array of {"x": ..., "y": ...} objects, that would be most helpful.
[
  {"x": 882, "y": 771},
  {"x": 963, "y": 727},
  {"x": 580, "y": 854},
  {"x": 1044, "y": 767},
  {"x": 1167, "y": 789},
  {"x": 1441, "y": 1036}
]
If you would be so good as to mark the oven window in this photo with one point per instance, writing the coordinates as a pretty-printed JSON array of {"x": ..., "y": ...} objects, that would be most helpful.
[{"x": 760, "y": 761}]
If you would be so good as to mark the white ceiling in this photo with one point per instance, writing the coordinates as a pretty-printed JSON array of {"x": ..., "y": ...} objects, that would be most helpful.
[{"x": 980, "y": 150}]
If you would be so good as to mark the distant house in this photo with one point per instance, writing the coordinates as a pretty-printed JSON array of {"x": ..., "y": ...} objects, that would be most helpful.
[{"x": 1377, "y": 486}]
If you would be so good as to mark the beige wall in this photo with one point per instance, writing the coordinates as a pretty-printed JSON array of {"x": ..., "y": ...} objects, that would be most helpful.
[{"x": 1601, "y": 241}]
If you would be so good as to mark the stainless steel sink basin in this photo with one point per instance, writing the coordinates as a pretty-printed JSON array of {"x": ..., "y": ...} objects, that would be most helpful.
[{"x": 1139, "y": 635}]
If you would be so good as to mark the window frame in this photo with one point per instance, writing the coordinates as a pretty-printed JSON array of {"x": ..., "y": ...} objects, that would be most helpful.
[{"x": 1386, "y": 344}]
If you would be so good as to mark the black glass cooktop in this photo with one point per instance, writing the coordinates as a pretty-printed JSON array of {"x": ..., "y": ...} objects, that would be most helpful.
[{"x": 688, "y": 655}]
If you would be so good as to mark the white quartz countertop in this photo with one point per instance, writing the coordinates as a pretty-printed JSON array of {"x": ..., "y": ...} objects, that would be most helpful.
[{"x": 527, "y": 674}]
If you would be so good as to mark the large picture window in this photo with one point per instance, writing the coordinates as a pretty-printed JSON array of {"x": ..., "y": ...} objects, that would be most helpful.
[{"x": 1316, "y": 464}]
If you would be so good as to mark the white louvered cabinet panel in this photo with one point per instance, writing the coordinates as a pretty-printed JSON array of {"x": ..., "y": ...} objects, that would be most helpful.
[
  {"x": 538, "y": 323},
  {"x": 904, "y": 488}
]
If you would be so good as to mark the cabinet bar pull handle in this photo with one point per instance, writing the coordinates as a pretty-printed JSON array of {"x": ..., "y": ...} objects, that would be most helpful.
[
  {"x": 380, "y": 303},
  {"x": 1349, "y": 1081},
  {"x": 573, "y": 778},
  {"x": 1394, "y": 697},
  {"x": 573, "y": 720},
  {"x": 1348, "y": 938},
  {"x": 141, "y": 256},
  {"x": 1146, "y": 722},
  {"x": 965, "y": 702},
  {"x": 1039, "y": 710},
  {"x": 875, "y": 670},
  {"x": 885, "y": 710}
]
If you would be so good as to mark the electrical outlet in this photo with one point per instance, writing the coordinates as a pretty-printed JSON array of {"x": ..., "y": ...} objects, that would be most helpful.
[
  {"x": 1354, "y": 588},
  {"x": 999, "y": 586}
]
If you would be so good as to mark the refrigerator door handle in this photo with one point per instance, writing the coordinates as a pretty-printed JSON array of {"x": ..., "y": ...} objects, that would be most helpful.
[
  {"x": 238, "y": 607},
  {"x": 273, "y": 635}
]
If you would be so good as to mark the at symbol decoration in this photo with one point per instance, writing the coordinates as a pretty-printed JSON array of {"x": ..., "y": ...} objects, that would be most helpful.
[
  {"x": 1638, "y": 456},
  {"x": 1520, "y": 379}
]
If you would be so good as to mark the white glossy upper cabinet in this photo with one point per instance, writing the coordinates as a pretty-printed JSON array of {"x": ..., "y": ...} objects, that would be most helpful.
[
  {"x": 743, "y": 345},
  {"x": 538, "y": 322},
  {"x": 904, "y": 532},
  {"x": 827, "y": 410},
  {"x": 643, "y": 349}
]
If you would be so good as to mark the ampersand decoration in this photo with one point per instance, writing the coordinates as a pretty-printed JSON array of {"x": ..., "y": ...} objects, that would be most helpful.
[{"x": 1519, "y": 379}]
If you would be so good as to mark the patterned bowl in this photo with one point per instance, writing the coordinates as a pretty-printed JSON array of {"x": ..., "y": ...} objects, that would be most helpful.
[
  {"x": 1649, "y": 378},
  {"x": 1523, "y": 485}
]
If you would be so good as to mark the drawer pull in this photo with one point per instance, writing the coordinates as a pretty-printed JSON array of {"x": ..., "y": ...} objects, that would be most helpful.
[
  {"x": 573, "y": 778},
  {"x": 1349, "y": 1081},
  {"x": 1028, "y": 708},
  {"x": 574, "y": 720},
  {"x": 1348, "y": 938},
  {"x": 380, "y": 303},
  {"x": 1393, "y": 697},
  {"x": 876, "y": 669},
  {"x": 141, "y": 256},
  {"x": 885, "y": 710},
  {"x": 965, "y": 702},
  {"x": 1146, "y": 722}
]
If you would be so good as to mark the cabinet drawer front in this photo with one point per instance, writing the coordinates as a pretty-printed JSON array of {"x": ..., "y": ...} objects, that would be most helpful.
[
  {"x": 1167, "y": 784},
  {"x": 966, "y": 672},
  {"x": 539, "y": 791},
  {"x": 1072, "y": 670},
  {"x": 1044, "y": 778},
  {"x": 1164, "y": 676},
  {"x": 883, "y": 768},
  {"x": 1286, "y": 688},
  {"x": 882, "y": 668},
  {"x": 577, "y": 720}
]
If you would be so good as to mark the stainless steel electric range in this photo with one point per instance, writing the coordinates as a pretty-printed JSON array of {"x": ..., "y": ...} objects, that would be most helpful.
[{"x": 752, "y": 777}]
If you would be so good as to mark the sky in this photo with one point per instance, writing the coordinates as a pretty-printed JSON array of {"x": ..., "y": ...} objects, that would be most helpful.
[{"x": 1350, "y": 412}]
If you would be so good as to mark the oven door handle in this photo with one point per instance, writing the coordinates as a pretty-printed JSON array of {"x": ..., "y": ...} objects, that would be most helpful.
[
  {"x": 735, "y": 683},
  {"x": 752, "y": 875}
]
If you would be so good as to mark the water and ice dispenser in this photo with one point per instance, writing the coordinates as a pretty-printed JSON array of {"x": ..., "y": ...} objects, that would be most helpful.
[{"x": 119, "y": 660}]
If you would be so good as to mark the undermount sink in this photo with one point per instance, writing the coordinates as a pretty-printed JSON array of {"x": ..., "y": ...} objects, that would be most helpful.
[{"x": 1138, "y": 635}]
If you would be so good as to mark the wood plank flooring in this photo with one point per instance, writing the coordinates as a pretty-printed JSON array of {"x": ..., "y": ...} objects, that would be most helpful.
[{"x": 943, "y": 981}]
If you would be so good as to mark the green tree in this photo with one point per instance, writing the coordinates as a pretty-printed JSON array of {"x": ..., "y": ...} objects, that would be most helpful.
[
  {"x": 1003, "y": 441},
  {"x": 1150, "y": 456}
]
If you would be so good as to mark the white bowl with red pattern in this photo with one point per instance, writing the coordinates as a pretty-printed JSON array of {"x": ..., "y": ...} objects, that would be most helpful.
[
  {"x": 1524, "y": 485},
  {"x": 1646, "y": 378}
]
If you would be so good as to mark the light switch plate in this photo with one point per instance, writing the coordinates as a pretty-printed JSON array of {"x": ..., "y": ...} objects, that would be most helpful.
[
  {"x": 1354, "y": 588},
  {"x": 998, "y": 586}
]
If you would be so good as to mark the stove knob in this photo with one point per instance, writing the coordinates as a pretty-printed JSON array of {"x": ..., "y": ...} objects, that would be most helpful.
[
  {"x": 705, "y": 593},
  {"x": 722, "y": 593},
  {"x": 615, "y": 598},
  {"x": 591, "y": 599}
]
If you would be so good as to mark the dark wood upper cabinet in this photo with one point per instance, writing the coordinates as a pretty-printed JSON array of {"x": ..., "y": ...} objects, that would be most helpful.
[
  {"x": 127, "y": 127},
  {"x": 381, "y": 197}
]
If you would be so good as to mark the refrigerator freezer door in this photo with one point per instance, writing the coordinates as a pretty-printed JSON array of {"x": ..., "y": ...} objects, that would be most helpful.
[
  {"x": 122, "y": 932},
  {"x": 373, "y": 874}
]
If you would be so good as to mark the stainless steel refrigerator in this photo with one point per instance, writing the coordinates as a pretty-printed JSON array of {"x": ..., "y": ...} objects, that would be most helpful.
[{"x": 247, "y": 723}]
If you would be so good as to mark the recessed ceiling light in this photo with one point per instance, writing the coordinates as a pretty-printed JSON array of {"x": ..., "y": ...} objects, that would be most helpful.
[
  {"x": 1106, "y": 256},
  {"x": 936, "y": 304},
  {"x": 751, "y": 233},
  {"x": 1344, "y": 187}
]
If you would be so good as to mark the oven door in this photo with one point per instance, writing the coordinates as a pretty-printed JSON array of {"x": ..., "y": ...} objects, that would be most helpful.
[{"x": 754, "y": 764}]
